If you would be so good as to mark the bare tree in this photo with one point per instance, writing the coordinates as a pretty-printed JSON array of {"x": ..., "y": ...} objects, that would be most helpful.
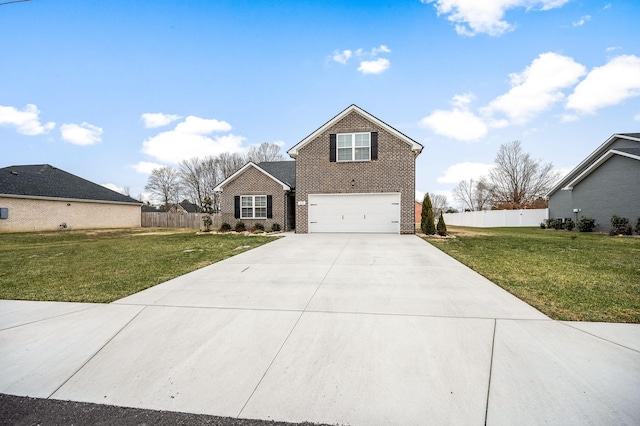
[
  {"x": 265, "y": 152},
  {"x": 474, "y": 195},
  {"x": 517, "y": 180},
  {"x": 228, "y": 164},
  {"x": 483, "y": 194},
  {"x": 164, "y": 184},
  {"x": 439, "y": 203},
  {"x": 191, "y": 175}
]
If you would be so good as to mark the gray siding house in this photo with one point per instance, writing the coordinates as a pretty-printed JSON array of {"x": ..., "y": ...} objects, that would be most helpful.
[
  {"x": 607, "y": 182},
  {"x": 355, "y": 173}
]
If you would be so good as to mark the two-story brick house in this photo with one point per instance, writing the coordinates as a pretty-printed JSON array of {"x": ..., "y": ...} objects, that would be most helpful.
[{"x": 353, "y": 174}]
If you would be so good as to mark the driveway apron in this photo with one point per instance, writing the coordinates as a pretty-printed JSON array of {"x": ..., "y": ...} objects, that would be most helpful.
[{"x": 356, "y": 329}]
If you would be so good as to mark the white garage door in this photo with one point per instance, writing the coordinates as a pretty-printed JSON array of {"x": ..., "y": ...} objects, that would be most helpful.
[{"x": 375, "y": 213}]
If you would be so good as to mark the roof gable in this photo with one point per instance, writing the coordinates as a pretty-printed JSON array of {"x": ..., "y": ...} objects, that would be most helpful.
[
  {"x": 633, "y": 153},
  {"x": 285, "y": 186},
  {"x": 46, "y": 181},
  {"x": 596, "y": 156},
  {"x": 415, "y": 146}
]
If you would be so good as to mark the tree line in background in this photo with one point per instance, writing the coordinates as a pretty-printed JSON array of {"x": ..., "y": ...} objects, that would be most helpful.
[
  {"x": 194, "y": 179},
  {"x": 516, "y": 181}
]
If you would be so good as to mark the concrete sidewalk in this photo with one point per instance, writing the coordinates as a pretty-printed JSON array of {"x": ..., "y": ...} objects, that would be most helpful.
[{"x": 349, "y": 329}]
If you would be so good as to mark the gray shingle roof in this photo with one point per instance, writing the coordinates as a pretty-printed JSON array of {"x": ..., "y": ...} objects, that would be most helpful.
[
  {"x": 284, "y": 171},
  {"x": 43, "y": 180},
  {"x": 633, "y": 151}
]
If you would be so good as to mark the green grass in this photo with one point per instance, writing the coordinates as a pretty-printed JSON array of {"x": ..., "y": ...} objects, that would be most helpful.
[
  {"x": 567, "y": 275},
  {"x": 106, "y": 265}
]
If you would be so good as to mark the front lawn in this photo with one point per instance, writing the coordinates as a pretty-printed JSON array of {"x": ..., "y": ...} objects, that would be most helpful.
[
  {"x": 106, "y": 265},
  {"x": 567, "y": 275}
]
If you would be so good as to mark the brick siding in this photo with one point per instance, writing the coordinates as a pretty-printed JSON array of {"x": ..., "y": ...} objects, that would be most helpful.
[
  {"x": 26, "y": 214},
  {"x": 254, "y": 182},
  {"x": 394, "y": 171}
]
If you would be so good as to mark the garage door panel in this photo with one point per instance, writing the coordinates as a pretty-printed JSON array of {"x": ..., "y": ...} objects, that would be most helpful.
[{"x": 373, "y": 213}]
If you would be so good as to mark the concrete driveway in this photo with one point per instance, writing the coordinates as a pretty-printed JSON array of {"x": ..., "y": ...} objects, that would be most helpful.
[{"x": 348, "y": 329}]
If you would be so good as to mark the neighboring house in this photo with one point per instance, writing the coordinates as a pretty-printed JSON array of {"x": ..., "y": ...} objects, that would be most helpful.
[
  {"x": 260, "y": 193},
  {"x": 353, "y": 174},
  {"x": 418, "y": 208},
  {"x": 42, "y": 197},
  {"x": 147, "y": 208},
  {"x": 607, "y": 182},
  {"x": 185, "y": 207}
]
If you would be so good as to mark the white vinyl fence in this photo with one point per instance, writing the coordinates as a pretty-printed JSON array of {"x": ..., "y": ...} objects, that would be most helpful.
[{"x": 497, "y": 218}]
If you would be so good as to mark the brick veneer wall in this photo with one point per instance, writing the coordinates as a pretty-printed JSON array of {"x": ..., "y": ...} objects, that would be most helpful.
[
  {"x": 394, "y": 171},
  {"x": 254, "y": 182},
  {"x": 26, "y": 214}
]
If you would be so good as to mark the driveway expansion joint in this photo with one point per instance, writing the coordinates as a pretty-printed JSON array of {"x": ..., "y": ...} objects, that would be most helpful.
[{"x": 97, "y": 351}]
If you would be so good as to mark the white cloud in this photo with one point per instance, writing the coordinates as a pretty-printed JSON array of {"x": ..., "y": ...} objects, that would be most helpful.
[
  {"x": 342, "y": 57},
  {"x": 382, "y": 49},
  {"x": 563, "y": 171},
  {"x": 81, "y": 134},
  {"x": 612, "y": 48},
  {"x": 374, "y": 67},
  {"x": 190, "y": 138},
  {"x": 464, "y": 171},
  {"x": 610, "y": 84},
  {"x": 368, "y": 63},
  {"x": 569, "y": 118},
  {"x": 158, "y": 119},
  {"x": 458, "y": 123},
  {"x": 582, "y": 21},
  {"x": 114, "y": 187},
  {"x": 486, "y": 16},
  {"x": 202, "y": 126},
  {"x": 537, "y": 88},
  {"x": 26, "y": 122},
  {"x": 146, "y": 167},
  {"x": 419, "y": 195},
  {"x": 637, "y": 117}
]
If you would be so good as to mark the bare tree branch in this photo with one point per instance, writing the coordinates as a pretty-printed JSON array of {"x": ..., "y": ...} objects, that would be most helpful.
[
  {"x": 517, "y": 180},
  {"x": 265, "y": 152},
  {"x": 164, "y": 184}
]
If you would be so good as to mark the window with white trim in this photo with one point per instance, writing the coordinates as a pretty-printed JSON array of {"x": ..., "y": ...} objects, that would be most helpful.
[
  {"x": 253, "y": 206},
  {"x": 353, "y": 146}
]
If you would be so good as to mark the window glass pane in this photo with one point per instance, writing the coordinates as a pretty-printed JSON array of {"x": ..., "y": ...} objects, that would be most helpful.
[
  {"x": 261, "y": 200},
  {"x": 246, "y": 212},
  {"x": 344, "y": 140},
  {"x": 261, "y": 212},
  {"x": 362, "y": 139},
  {"x": 247, "y": 201},
  {"x": 362, "y": 153},
  {"x": 344, "y": 154}
]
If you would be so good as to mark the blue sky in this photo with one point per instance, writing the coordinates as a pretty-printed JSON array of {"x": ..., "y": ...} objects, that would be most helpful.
[{"x": 108, "y": 90}]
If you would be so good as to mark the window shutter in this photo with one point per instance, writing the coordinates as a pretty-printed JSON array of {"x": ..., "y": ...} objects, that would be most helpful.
[
  {"x": 374, "y": 145},
  {"x": 269, "y": 206},
  {"x": 236, "y": 201},
  {"x": 332, "y": 147}
]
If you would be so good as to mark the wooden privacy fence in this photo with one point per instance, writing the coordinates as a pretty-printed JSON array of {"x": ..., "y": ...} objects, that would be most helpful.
[{"x": 177, "y": 220}]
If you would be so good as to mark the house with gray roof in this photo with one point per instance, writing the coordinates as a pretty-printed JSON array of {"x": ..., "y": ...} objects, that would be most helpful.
[
  {"x": 43, "y": 197},
  {"x": 260, "y": 193},
  {"x": 355, "y": 173},
  {"x": 604, "y": 184}
]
